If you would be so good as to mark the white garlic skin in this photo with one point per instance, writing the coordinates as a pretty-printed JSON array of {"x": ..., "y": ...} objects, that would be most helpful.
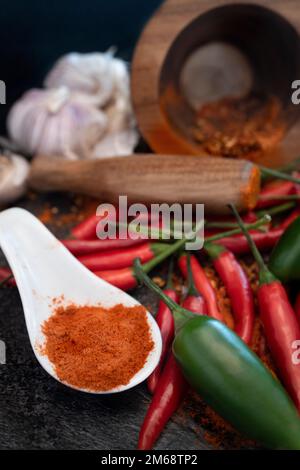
[
  {"x": 104, "y": 79},
  {"x": 121, "y": 135},
  {"x": 55, "y": 122},
  {"x": 14, "y": 171},
  {"x": 116, "y": 144},
  {"x": 95, "y": 74}
]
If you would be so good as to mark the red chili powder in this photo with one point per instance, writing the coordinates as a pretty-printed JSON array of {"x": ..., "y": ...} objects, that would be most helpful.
[{"x": 96, "y": 348}]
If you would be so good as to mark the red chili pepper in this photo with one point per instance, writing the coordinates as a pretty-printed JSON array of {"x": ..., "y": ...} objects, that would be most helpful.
[
  {"x": 194, "y": 302},
  {"x": 86, "y": 230},
  {"x": 297, "y": 307},
  {"x": 6, "y": 277},
  {"x": 171, "y": 386},
  {"x": 297, "y": 186},
  {"x": 203, "y": 285},
  {"x": 148, "y": 220},
  {"x": 165, "y": 321},
  {"x": 238, "y": 288},
  {"x": 125, "y": 278},
  {"x": 122, "y": 278},
  {"x": 238, "y": 244},
  {"x": 249, "y": 217},
  {"x": 86, "y": 247},
  {"x": 282, "y": 330},
  {"x": 116, "y": 259},
  {"x": 274, "y": 190},
  {"x": 264, "y": 240},
  {"x": 169, "y": 393},
  {"x": 290, "y": 218},
  {"x": 280, "y": 323}
]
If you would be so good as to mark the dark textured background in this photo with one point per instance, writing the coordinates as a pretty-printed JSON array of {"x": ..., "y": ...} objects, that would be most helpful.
[
  {"x": 34, "y": 33},
  {"x": 36, "y": 412}
]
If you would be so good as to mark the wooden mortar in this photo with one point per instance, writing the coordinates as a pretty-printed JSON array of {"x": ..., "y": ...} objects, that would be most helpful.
[{"x": 265, "y": 32}]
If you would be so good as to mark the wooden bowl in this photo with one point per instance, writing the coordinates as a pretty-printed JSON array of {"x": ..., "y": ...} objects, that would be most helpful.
[{"x": 196, "y": 51}]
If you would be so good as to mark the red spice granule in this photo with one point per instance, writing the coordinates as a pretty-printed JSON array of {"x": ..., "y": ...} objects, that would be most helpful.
[
  {"x": 240, "y": 127},
  {"x": 81, "y": 208},
  {"x": 97, "y": 349}
]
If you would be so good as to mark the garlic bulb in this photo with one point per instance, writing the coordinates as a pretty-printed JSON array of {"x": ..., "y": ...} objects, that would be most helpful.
[
  {"x": 103, "y": 79},
  {"x": 116, "y": 144},
  {"x": 14, "y": 171},
  {"x": 55, "y": 122},
  {"x": 95, "y": 75},
  {"x": 121, "y": 135}
]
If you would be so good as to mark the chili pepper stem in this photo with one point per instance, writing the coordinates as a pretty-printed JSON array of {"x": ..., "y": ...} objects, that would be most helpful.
[
  {"x": 264, "y": 220},
  {"x": 148, "y": 231},
  {"x": 277, "y": 209},
  {"x": 279, "y": 197},
  {"x": 214, "y": 250},
  {"x": 163, "y": 235},
  {"x": 265, "y": 275},
  {"x": 221, "y": 224},
  {"x": 158, "y": 248},
  {"x": 169, "y": 250},
  {"x": 180, "y": 314},
  {"x": 278, "y": 174},
  {"x": 290, "y": 166}
]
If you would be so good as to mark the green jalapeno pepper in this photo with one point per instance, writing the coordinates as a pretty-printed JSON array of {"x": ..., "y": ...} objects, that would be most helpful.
[
  {"x": 230, "y": 377},
  {"x": 285, "y": 257}
]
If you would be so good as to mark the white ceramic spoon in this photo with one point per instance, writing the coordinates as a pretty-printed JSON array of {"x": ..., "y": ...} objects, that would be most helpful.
[{"x": 44, "y": 269}]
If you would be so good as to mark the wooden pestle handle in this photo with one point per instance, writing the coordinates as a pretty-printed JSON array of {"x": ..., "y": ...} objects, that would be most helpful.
[{"x": 153, "y": 178}]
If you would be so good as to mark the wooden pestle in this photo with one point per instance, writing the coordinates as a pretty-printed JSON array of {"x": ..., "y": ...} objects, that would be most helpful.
[{"x": 153, "y": 178}]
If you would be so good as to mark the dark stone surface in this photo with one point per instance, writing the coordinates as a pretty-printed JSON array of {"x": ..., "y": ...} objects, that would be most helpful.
[{"x": 37, "y": 412}]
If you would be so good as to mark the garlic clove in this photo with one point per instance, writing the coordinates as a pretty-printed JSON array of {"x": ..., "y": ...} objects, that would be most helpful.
[
  {"x": 14, "y": 171},
  {"x": 120, "y": 77},
  {"x": 120, "y": 115},
  {"x": 116, "y": 144},
  {"x": 90, "y": 74},
  {"x": 57, "y": 98},
  {"x": 56, "y": 122},
  {"x": 91, "y": 126}
]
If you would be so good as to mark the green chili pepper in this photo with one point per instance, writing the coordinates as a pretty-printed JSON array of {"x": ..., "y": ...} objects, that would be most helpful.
[
  {"x": 285, "y": 258},
  {"x": 230, "y": 377}
]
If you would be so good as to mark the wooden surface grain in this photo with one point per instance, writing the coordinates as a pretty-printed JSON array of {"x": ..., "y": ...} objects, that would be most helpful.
[{"x": 149, "y": 178}]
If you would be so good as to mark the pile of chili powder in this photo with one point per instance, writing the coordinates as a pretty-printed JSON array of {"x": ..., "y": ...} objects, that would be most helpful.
[
  {"x": 240, "y": 127},
  {"x": 97, "y": 349}
]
